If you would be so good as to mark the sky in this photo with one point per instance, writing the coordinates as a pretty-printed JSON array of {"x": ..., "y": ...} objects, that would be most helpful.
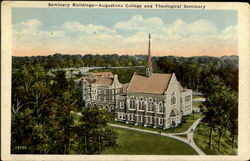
[{"x": 46, "y": 31}]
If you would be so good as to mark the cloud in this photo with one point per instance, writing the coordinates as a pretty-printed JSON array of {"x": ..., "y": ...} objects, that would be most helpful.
[
  {"x": 138, "y": 23},
  {"x": 126, "y": 37},
  {"x": 87, "y": 29}
]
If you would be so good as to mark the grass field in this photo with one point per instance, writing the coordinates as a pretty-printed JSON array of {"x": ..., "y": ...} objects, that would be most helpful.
[
  {"x": 187, "y": 122},
  {"x": 133, "y": 142},
  {"x": 183, "y": 136},
  {"x": 201, "y": 137}
]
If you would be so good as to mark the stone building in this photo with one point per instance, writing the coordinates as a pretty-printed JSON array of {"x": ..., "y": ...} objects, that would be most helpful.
[{"x": 153, "y": 100}]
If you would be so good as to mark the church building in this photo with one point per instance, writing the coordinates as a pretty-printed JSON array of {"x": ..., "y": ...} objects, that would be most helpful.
[{"x": 152, "y": 99}]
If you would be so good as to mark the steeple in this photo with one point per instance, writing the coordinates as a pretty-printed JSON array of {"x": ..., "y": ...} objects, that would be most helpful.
[{"x": 149, "y": 67}]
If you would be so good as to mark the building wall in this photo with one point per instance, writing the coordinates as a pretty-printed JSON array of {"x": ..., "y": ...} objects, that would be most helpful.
[
  {"x": 101, "y": 95},
  {"x": 187, "y": 103},
  {"x": 173, "y": 91}
]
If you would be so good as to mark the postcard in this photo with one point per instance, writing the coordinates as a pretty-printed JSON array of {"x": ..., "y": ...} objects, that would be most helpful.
[{"x": 114, "y": 80}]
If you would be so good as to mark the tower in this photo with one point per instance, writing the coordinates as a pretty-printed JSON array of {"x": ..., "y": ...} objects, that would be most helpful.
[{"x": 149, "y": 67}]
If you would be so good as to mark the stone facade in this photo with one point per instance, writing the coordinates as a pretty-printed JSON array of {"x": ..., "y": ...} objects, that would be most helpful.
[{"x": 153, "y": 100}]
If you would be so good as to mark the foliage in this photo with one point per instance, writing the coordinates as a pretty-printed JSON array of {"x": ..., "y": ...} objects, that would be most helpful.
[
  {"x": 65, "y": 61},
  {"x": 221, "y": 108},
  {"x": 189, "y": 71},
  {"x": 41, "y": 105},
  {"x": 94, "y": 134}
]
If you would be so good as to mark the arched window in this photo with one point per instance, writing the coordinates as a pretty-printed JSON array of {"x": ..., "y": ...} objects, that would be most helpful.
[
  {"x": 143, "y": 105},
  {"x": 151, "y": 106},
  {"x": 173, "y": 99},
  {"x": 132, "y": 104},
  {"x": 140, "y": 105},
  {"x": 160, "y": 108}
]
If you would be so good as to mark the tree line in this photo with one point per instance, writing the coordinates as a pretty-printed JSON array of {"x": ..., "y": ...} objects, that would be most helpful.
[
  {"x": 88, "y": 60},
  {"x": 190, "y": 71}
]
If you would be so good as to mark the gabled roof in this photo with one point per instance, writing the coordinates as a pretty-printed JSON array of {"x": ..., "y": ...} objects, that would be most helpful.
[
  {"x": 104, "y": 74},
  {"x": 104, "y": 81},
  {"x": 90, "y": 81},
  {"x": 155, "y": 84}
]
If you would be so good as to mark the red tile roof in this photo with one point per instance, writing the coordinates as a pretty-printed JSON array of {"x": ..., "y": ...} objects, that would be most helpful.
[
  {"x": 104, "y": 74},
  {"x": 104, "y": 81},
  {"x": 155, "y": 84}
]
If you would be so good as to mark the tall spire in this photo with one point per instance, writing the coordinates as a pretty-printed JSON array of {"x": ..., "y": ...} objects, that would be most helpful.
[{"x": 149, "y": 68}]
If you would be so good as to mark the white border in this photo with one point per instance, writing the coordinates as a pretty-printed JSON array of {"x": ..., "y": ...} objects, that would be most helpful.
[{"x": 244, "y": 88}]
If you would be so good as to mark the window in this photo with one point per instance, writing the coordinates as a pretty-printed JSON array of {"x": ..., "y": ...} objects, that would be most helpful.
[
  {"x": 100, "y": 91},
  {"x": 113, "y": 98},
  {"x": 160, "y": 121},
  {"x": 188, "y": 107},
  {"x": 121, "y": 115},
  {"x": 132, "y": 104},
  {"x": 173, "y": 99},
  {"x": 112, "y": 91},
  {"x": 151, "y": 106},
  {"x": 131, "y": 117},
  {"x": 105, "y": 98},
  {"x": 187, "y": 98},
  {"x": 105, "y": 91},
  {"x": 94, "y": 97},
  {"x": 181, "y": 99},
  {"x": 150, "y": 120},
  {"x": 160, "y": 108},
  {"x": 141, "y": 105},
  {"x": 140, "y": 118},
  {"x": 121, "y": 105}
]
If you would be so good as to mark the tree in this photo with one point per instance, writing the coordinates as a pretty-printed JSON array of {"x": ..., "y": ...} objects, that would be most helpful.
[
  {"x": 214, "y": 85},
  {"x": 41, "y": 105},
  {"x": 221, "y": 104},
  {"x": 94, "y": 133}
]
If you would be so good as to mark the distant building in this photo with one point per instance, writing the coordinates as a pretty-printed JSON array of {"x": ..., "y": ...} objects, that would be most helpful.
[{"x": 154, "y": 100}]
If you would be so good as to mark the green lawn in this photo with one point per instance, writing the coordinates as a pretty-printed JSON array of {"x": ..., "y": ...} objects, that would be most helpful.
[
  {"x": 183, "y": 136},
  {"x": 187, "y": 122},
  {"x": 134, "y": 142},
  {"x": 201, "y": 137}
]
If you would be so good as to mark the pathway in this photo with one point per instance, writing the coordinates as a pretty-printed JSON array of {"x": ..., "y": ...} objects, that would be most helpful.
[{"x": 189, "y": 133}]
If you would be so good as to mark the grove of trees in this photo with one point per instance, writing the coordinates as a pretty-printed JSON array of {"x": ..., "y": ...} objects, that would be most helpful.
[{"x": 42, "y": 118}]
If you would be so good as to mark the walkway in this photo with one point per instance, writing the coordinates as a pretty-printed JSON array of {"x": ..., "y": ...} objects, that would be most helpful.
[{"x": 189, "y": 133}]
